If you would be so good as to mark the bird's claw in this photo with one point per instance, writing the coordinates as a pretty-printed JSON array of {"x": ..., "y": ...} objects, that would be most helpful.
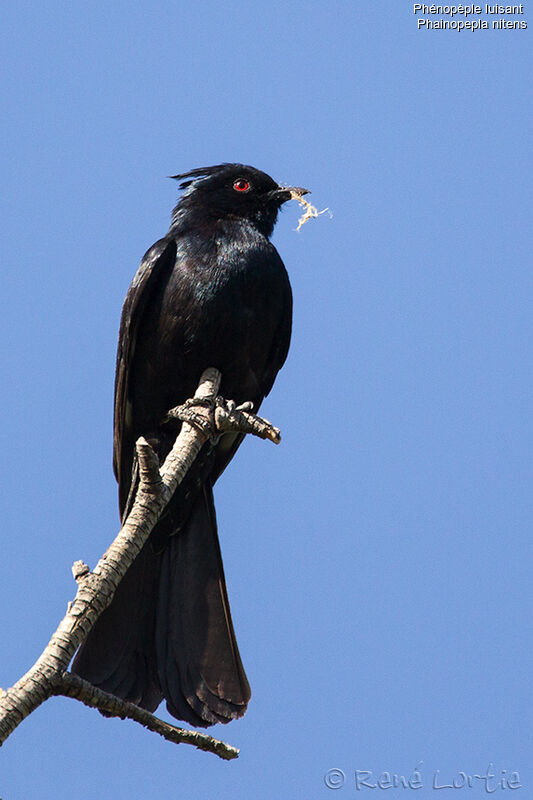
[
  {"x": 231, "y": 417},
  {"x": 199, "y": 413},
  {"x": 248, "y": 406},
  {"x": 215, "y": 416}
]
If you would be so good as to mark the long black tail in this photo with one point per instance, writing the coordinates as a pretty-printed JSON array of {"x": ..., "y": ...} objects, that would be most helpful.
[{"x": 168, "y": 631}]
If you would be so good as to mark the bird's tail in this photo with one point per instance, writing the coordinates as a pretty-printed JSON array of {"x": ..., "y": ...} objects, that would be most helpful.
[
  {"x": 168, "y": 631},
  {"x": 118, "y": 655}
]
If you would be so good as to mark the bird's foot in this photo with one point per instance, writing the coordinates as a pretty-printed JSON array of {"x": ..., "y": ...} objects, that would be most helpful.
[
  {"x": 198, "y": 412},
  {"x": 231, "y": 417},
  {"x": 215, "y": 416}
]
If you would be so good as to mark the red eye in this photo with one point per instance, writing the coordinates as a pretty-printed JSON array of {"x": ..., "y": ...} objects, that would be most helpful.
[{"x": 241, "y": 185}]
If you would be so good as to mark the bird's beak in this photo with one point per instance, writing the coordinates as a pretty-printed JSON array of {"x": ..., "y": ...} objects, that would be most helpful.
[
  {"x": 288, "y": 192},
  {"x": 299, "y": 190}
]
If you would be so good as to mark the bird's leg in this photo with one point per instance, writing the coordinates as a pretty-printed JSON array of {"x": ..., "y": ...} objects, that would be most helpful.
[{"x": 215, "y": 416}]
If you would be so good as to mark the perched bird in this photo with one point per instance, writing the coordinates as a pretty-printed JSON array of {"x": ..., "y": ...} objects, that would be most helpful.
[{"x": 212, "y": 293}]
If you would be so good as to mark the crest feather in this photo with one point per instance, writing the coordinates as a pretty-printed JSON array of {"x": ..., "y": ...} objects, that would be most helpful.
[{"x": 199, "y": 173}]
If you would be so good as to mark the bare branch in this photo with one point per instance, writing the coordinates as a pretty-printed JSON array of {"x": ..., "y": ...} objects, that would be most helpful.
[
  {"x": 96, "y": 589},
  {"x": 111, "y": 706}
]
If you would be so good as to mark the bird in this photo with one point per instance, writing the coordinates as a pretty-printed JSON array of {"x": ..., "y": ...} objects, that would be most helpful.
[{"x": 213, "y": 292}]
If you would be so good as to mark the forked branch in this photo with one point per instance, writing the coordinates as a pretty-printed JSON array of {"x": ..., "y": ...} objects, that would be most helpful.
[{"x": 204, "y": 417}]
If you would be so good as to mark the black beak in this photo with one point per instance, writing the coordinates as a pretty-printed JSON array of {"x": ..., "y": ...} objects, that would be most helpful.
[
  {"x": 299, "y": 190},
  {"x": 287, "y": 192}
]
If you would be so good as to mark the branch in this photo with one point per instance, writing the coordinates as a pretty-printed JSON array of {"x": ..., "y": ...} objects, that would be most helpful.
[
  {"x": 204, "y": 417},
  {"x": 111, "y": 706}
]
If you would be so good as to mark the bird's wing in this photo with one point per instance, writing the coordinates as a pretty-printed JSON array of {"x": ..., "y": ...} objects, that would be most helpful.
[
  {"x": 156, "y": 264},
  {"x": 281, "y": 341}
]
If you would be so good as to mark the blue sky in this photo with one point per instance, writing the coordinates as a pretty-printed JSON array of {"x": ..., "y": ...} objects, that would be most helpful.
[{"x": 379, "y": 560}]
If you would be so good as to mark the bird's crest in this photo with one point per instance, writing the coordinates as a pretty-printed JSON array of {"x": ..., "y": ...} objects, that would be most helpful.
[{"x": 199, "y": 172}]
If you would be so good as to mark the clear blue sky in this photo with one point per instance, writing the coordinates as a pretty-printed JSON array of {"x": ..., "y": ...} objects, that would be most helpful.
[{"x": 379, "y": 560}]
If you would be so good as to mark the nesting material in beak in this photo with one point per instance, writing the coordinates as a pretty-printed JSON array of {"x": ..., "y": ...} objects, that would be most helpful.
[{"x": 310, "y": 211}]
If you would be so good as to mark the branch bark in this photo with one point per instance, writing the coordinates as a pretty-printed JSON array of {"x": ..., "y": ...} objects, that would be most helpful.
[{"x": 204, "y": 417}]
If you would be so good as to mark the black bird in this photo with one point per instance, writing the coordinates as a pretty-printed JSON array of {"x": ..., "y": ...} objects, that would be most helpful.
[{"x": 212, "y": 293}]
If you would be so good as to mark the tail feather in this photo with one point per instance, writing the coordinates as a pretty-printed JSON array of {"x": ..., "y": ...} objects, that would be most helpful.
[
  {"x": 197, "y": 653},
  {"x": 168, "y": 631},
  {"x": 115, "y": 656}
]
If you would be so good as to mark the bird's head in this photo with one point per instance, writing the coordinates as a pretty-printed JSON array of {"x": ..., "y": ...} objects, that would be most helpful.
[{"x": 233, "y": 190}]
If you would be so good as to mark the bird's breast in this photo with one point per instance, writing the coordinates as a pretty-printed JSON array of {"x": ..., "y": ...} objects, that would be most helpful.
[{"x": 219, "y": 308}]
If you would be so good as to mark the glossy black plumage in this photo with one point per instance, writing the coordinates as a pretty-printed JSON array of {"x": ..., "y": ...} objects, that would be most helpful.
[{"x": 213, "y": 292}]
